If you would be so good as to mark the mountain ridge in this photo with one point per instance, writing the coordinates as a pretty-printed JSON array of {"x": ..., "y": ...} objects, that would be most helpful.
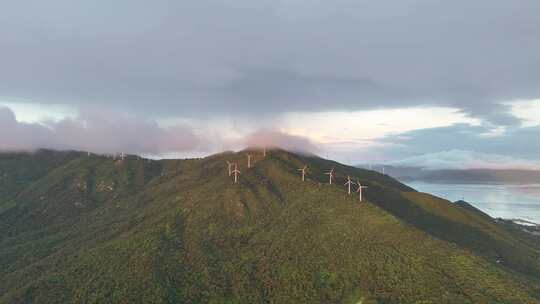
[{"x": 184, "y": 230}]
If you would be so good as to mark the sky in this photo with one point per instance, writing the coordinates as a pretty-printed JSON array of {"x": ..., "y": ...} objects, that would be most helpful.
[{"x": 437, "y": 83}]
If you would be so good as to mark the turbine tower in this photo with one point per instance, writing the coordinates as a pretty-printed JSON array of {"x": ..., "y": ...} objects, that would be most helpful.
[
  {"x": 249, "y": 160},
  {"x": 330, "y": 175},
  {"x": 303, "y": 170},
  {"x": 122, "y": 155},
  {"x": 359, "y": 190},
  {"x": 348, "y": 184},
  {"x": 236, "y": 172},
  {"x": 264, "y": 151},
  {"x": 229, "y": 165}
]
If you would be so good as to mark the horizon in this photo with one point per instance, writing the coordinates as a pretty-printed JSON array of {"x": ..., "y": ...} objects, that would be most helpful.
[{"x": 367, "y": 166}]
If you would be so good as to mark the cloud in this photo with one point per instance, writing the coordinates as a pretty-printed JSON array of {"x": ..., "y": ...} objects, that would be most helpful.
[
  {"x": 462, "y": 160},
  {"x": 458, "y": 146},
  {"x": 98, "y": 131},
  {"x": 249, "y": 62},
  {"x": 462, "y": 145},
  {"x": 514, "y": 141},
  {"x": 16, "y": 136},
  {"x": 214, "y": 58},
  {"x": 276, "y": 139},
  {"x": 102, "y": 131}
]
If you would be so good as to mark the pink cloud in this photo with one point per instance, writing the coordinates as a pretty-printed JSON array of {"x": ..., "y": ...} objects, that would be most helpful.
[
  {"x": 99, "y": 132},
  {"x": 274, "y": 138}
]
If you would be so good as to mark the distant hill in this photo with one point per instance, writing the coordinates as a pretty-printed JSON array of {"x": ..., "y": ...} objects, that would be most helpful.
[
  {"x": 471, "y": 176},
  {"x": 90, "y": 229}
]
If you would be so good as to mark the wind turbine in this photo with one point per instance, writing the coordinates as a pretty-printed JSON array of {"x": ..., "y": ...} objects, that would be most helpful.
[
  {"x": 229, "y": 165},
  {"x": 264, "y": 151},
  {"x": 249, "y": 160},
  {"x": 122, "y": 155},
  {"x": 236, "y": 172},
  {"x": 349, "y": 183},
  {"x": 330, "y": 174},
  {"x": 303, "y": 170},
  {"x": 359, "y": 190}
]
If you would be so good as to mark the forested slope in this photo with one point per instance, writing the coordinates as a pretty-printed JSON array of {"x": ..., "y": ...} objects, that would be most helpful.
[{"x": 89, "y": 229}]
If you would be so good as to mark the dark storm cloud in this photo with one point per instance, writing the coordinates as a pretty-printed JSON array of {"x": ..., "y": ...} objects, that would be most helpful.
[{"x": 211, "y": 58}]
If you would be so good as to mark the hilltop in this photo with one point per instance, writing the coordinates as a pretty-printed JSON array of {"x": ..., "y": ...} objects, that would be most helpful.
[{"x": 90, "y": 229}]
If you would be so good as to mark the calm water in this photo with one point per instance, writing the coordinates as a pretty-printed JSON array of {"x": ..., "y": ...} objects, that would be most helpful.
[{"x": 505, "y": 201}]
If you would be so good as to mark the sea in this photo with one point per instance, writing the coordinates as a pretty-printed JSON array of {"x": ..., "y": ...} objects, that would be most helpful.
[{"x": 508, "y": 201}]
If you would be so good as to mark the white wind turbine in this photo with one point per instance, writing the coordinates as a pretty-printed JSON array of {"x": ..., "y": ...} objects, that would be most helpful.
[
  {"x": 236, "y": 172},
  {"x": 330, "y": 175},
  {"x": 303, "y": 170},
  {"x": 349, "y": 183},
  {"x": 249, "y": 160},
  {"x": 229, "y": 165},
  {"x": 359, "y": 190}
]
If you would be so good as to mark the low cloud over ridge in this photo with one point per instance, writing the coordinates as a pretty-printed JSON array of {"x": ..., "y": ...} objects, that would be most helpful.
[
  {"x": 276, "y": 139},
  {"x": 99, "y": 132},
  {"x": 114, "y": 132}
]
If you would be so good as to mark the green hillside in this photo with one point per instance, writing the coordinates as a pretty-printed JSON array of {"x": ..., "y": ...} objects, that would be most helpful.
[{"x": 89, "y": 229}]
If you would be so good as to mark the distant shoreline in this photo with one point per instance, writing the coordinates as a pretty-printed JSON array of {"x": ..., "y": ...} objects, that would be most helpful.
[
  {"x": 508, "y": 201},
  {"x": 467, "y": 182},
  {"x": 464, "y": 176}
]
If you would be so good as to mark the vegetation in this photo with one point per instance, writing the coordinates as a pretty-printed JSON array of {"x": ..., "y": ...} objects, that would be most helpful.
[{"x": 87, "y": 229}]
